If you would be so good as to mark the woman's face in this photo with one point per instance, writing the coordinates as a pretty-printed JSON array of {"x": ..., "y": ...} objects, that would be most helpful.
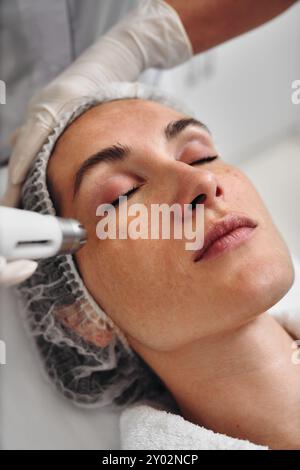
[{"x": 152, "y": 288}]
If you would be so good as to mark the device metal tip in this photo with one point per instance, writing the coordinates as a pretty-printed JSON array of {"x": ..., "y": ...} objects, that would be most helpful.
[{"x": 74, "y": 235}]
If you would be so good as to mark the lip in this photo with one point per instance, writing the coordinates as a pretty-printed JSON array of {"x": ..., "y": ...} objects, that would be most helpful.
[{"x": 225, "y": 234}]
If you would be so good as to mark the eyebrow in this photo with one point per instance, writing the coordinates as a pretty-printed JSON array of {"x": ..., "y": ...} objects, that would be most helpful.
[{"x": 120, "y": 152}]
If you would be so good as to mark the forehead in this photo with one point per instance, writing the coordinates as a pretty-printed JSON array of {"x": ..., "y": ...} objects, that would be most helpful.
[
  {"x": 128, "y": 121},
  {"x": 119, "y": 119},
  {"x": 133, "y": 122}
]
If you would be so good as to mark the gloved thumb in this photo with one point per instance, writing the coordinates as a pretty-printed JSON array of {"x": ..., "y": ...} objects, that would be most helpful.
[
  {"x": 14, "y": 136},
  {"x": 30, "y": 140},
  {"x": 16, "y": 271}
]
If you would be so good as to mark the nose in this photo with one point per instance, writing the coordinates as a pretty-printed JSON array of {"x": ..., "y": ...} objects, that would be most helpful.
[{"x": 197, "y": 186}]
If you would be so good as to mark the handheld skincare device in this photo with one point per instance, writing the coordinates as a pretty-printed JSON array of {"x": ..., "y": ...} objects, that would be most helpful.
[{"x": 31, "y": 235}]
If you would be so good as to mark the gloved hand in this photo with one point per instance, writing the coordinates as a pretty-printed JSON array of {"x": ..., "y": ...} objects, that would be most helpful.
[
  {"x": 15, "y": 271},
  {"x": 151, "y": 35},
  {"x": 289, "y": 319}
]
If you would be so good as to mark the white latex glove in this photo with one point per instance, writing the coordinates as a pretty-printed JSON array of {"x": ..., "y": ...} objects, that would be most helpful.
[
  {"x": 15, "y": 271},
  {"x": 289, "y": 319},
  {"x": 151, "y": 35}
]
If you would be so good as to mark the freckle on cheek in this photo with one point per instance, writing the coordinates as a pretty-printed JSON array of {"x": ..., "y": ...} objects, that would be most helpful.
[{"x": 228, "y": 170}]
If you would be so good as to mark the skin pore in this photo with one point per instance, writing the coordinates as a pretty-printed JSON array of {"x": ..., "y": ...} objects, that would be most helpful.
[{"x": 203, "y": 327}]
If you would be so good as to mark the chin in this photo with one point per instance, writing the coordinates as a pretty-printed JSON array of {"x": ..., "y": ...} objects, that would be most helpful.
[
  {"x": 282, "y": 283},
  {"x": 266, "y": 283}
]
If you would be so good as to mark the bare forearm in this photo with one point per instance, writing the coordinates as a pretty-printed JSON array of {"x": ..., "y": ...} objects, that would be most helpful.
[{"x": 211, "y": 22}]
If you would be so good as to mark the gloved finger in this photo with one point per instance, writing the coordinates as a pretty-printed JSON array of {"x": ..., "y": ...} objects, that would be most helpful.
[
  {"x": 16, "y": 271},
  {"x": 31, "y": 139},
  {"x": 11, "y": 197},
  {"x": 14, "y": 136},
  {"x": 289, "y": 319},
  {"x": 2, "y": 263},
  {"x": 35, "y": 133}
]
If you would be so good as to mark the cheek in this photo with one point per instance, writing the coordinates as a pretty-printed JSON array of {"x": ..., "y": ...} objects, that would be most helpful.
[
  {"x": 244, "y": 196},
  {"x": 240, "y": 194},
  {"x": 142, "y": 287},
  {"x": 263, "y": 271}
]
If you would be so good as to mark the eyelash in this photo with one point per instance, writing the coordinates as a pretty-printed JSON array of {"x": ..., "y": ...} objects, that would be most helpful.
[
  {"x": 205, "y": 160},
  {"x": 135, "y": 188},
  {"x": 132, "y": 190}
]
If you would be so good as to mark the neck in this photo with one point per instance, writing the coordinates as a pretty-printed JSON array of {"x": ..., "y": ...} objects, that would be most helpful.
[{"x": 242, "y": 383}]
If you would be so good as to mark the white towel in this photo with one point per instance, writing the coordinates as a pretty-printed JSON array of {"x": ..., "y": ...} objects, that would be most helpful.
[
  {"x": 148, "y": 425},
  {"x": 144, "y": 426}
]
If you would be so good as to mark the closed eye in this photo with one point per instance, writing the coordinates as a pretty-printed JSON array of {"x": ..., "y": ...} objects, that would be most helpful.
[
  {"x": 134, "y": 189},
  {"x": 204, "y": 160},
  {"x": 128, "y": 194}
]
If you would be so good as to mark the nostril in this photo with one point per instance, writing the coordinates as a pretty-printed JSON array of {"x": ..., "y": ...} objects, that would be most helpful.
[
  {"x": 200, "y": 199},
  {"x": 218, "y": 191}
]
